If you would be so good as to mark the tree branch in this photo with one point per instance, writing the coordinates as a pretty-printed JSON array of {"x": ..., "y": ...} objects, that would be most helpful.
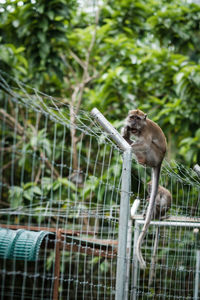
[
  {"x": 11, "y": 121},
  {"x": 37, "y": 177},
  {"x": 77, "y": 59},
  {"x": 11, "y": 148},
  {"x": 86, "y": 78},
  {"x": 68, "y": 66},
  {"x": 9, "y": 164},
  {"x": 77, "y": 94}
]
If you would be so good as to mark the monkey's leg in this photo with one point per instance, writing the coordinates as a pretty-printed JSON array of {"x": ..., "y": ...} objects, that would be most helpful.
[
  {"x": 140, "y": 152},
  {"x": 153, "y": 155}
]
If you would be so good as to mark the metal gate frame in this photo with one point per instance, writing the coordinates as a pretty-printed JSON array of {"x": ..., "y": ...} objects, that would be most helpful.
[
  {"x": 167, "y": 223},
  {"x": 126, "y": 221},
  {"x": 123, "y": 258}
]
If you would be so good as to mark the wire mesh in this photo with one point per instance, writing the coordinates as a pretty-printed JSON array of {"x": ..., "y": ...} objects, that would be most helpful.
[
  {"x": 61, "y": 172},
  {"x": 173, "y": 265},
  {"x": 176, "y": 275}
]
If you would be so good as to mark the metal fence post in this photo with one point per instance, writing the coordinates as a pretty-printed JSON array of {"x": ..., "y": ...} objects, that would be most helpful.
[
  {"x": 123, "y": 226},
  {"x": 196, "y": 288},
  {"x": 122, "y": 275},
  {"x": 128, "y": 259},
  {"x": 135, "y": 264}
]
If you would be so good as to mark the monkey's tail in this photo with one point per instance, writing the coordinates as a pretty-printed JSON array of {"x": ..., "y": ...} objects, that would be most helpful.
[{"x": 154, "y": 190}]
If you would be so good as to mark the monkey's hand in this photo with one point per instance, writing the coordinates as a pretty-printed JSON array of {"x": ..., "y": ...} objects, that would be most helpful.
[{"x": 126, "y": 133}]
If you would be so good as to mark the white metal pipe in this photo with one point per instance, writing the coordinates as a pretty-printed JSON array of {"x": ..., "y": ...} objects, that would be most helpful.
[
  {"x": 173, "y": 219},
  {"x": 128, "y": 251},
  {"x": 113, "y": 133},
  {"x": 122, "y": 276},
  {"x": 170, "y": 223},
  {"x": 135, "y": 264},
  {"x": 196, "y": 288},
  {"x": 124, "y": 217},
  {"x": 134, "y": 207}
]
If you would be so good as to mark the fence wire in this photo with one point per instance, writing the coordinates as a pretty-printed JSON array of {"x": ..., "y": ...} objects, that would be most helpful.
[
  {"x": 53, "y": 180},
  {"x": 60, "y": 172}
]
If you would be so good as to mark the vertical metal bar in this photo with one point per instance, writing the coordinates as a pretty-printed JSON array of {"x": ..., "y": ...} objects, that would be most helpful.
[
  {"x": 135, "y": 264},
  {"x": 134, "y": 207},
  {"x": 57, "y": 265},
  {"x": 124, "y": 204},
  {"x": 123, "y": 225},
  {"x": 129, "y": 243},
  {"x": 196, "y": 288}
]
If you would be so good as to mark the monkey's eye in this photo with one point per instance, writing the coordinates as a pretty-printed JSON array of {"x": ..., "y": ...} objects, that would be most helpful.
[{"x": 138, "y": 118}]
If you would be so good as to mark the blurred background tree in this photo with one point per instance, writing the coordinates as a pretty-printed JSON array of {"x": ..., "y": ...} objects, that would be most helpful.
[
  {"x": 117, "y": 56},
  {"x": 131, "y": 54}
]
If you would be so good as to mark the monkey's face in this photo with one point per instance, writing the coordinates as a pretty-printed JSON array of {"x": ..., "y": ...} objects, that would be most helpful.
[{"x": 136, "y": 120}]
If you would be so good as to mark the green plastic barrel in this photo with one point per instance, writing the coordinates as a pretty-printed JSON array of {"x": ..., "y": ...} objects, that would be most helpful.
[
  {"x": 7, "y": 238},
  {"x": 21, "y": 244}
]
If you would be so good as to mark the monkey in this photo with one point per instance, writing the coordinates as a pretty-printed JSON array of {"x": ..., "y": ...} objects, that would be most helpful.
[
  {"x": 162, "y": 202},
  {"x": 149, "y": 148},
  {"x": 162, "y": 205}
]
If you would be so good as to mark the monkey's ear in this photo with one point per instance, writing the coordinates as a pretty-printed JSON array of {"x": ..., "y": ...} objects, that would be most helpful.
[{"x": 145, "y": 116}]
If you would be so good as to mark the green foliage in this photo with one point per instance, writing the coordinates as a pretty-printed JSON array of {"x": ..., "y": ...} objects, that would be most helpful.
[
  {"x": 188, "y": 147},
  {"x": 15, "y": 196},
  {"x": 176, "y": 25},
  {"x": 12, "y": 60},
  {"x": 128, "y": 17},
  {"x": 145, "y": 55},
  {"x": 41, "y": 28},
  {"x": 141, "y": 54}
]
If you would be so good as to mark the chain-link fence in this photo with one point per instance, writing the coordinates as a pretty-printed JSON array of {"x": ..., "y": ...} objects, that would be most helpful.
[{"x": 65, "y": 231}]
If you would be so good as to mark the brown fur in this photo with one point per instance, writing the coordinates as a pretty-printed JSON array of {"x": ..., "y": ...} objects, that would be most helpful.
[
  {"x": 150, "y": 145},
  {"x": 162, "y": 205},
  {"x": 162, "y": 202},
  {"x": 149, "y": 148}
]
